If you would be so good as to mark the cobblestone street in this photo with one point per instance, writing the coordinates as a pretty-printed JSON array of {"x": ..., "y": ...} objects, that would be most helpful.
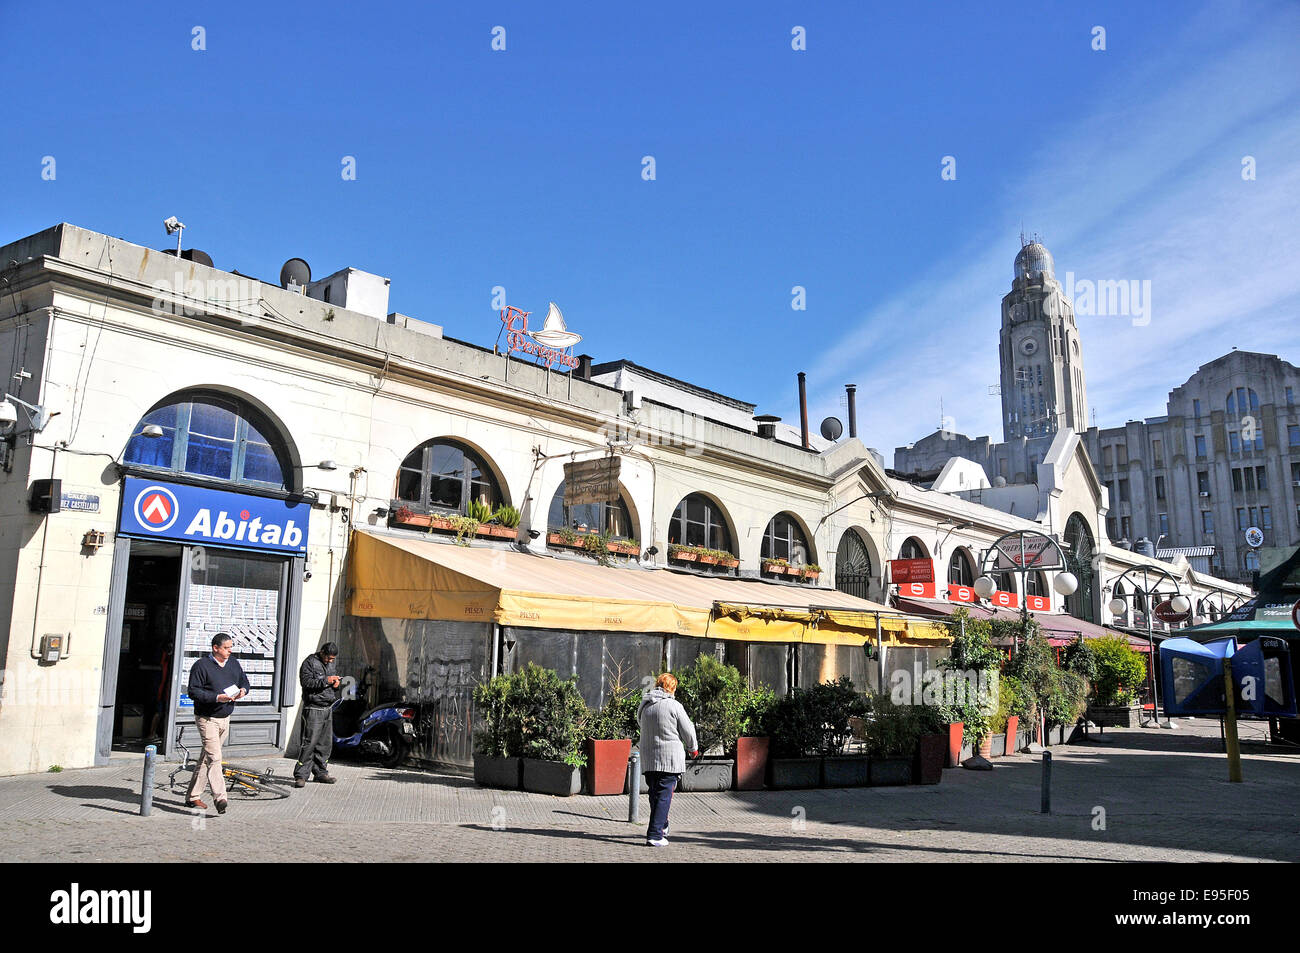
[{"x": 1144, "y": 796}]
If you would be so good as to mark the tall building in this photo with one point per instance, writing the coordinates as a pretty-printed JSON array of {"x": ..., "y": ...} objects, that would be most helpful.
[
  {"x": 1223, "y": 458},
  {"x": 1043, "y": 388}
]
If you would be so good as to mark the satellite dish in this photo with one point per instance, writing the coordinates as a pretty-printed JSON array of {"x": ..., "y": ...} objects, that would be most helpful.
[
  {"x": 295, "y": 271},
  {"x": 196, "y": 256},
  {"x": 832, "y": 428}
]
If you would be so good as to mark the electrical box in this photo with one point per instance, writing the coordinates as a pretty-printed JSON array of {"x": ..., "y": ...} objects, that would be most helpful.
[
  {"x": 51, "y": 648},
  {"x": 46, "y": 496}
]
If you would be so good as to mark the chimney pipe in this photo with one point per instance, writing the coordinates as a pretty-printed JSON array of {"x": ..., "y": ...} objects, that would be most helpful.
[
  {"x": 584, "y": 367},
  {"x": 853, "y": 408},
  {"x": 803, "y": 408}
]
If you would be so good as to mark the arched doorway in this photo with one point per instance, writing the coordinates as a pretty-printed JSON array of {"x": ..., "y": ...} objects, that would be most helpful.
[
  {"x": 853, "y": 569},
  {"x": 1078, "y": 560}
]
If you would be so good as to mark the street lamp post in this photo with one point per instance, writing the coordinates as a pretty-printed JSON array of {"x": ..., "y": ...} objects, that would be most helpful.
[
  {"x": 1023, "y": 552},
  {"x": 1179, "y": 603}
]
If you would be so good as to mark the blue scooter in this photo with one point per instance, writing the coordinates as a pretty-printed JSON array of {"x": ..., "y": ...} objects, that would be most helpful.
[{"x": 386, "y": 731}]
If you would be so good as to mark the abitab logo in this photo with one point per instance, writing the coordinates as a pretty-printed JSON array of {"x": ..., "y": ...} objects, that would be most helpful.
[{"x": 156, "y": 508}]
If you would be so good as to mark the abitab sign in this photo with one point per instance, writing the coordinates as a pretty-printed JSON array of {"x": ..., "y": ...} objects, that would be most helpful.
[{"x": 192, "y": 514}]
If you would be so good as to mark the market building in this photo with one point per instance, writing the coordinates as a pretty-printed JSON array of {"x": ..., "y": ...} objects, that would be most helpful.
[{"x": 196, "y": 450}]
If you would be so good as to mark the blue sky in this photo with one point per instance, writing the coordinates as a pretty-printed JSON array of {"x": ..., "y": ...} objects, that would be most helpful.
[{"x": 775, "y": 168}]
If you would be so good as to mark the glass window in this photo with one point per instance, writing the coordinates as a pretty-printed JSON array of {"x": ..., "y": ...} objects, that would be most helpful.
[
  {"x": 1261, "y": 477},
  {"x": 1295, "y": 473},
  {"x": 1202, "y": 482},
  {"x": 1207, "y": 521},
  {"x": 1251, "y": 560},
  {"x": 960, "y": 571},
  {"x": 1232, "y": 405},
  {"x": 1200, "y": 445},
  {"x": 697, "y": 521},
  {"x": 1125, "y": 527},
  {"x": 1157, "y": 453},
  {"x": 1123, "y": 491},
  {"x": 614, "y": 519},
  {"x": 784, "y": 539},
  {"x": 1164, "y": 524},
  {"x": 1237, "y": 485},
  {"x": 445, "y": 475},
  {"x": 912, "y": 549},
  {"x": 1265, "y": 518},
  {"x": 1234, "y": 443},
  {"x": 1121, "y": 455},
  {"x": 1290, "y": 397},
  {"x": 213, "y": 436},
  {"x": 1259, "y": 438},
  {"x": 1160, "y": 488},
  {"x": 1293, "y": 435},
  {"x": 1035, "y": 584},
  {"x": 1107, "y": 458},
  {"x": 1254, "y": 516},
  {"x": 1248, "y": 478},
  {"x": 1196, "y": 408},
  {"x": 1241, "y": 518}
]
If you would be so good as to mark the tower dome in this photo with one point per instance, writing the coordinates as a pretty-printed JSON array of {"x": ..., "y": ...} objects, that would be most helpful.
[{"x": 1034, "y": 260}]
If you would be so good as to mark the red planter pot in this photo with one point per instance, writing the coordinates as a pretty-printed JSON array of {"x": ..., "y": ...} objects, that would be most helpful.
[
  {"x": 751, "y": 763},
  {"x": 1013, "y": 725},
  {"x": 955, "y": 730},
  {"x": 930, "y": 756},
  {"x": 606, "y": 771}
]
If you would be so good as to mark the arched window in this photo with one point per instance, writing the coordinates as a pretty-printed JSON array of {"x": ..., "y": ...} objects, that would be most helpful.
[
  {"x": 784, "y": 539},
  {"x": 1079, "y": 548},
  {"x": 614, "y": 519},
  {"x": 444, "y": 475},
  {"x": 215, "y": 436},
  {"x": 960, "y": 572},
  {"x": 912, "y": 549},
  {"x": 1242, "y": 401},
  {"x": 853, "y": 566},
  {"x": 698, "y": 521},
  {"x": 1251, "y": 559}
]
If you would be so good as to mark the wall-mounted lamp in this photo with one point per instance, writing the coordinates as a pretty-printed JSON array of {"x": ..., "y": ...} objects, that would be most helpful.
[
  {"x": 93, "y": 539},
  {"x": 534, "y": 533},
  {"x": 381, "y": 512}
]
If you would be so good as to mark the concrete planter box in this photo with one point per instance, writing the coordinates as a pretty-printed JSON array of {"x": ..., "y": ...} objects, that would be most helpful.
[
  {"x": 552, "y": 777},
  {"x": 1115, "y": 716},
  {"x": 787, "y": 773},
  {"x": 497, "y": 772},
  {"x": 708, "y": 774},
  {"x": 998, "y": 745},
  {"x": 846, "y": 771},
  {"x": 890, "y": 771},
  {"x": 1055, "y": 735},
  {"x": 967, "y": 752}
]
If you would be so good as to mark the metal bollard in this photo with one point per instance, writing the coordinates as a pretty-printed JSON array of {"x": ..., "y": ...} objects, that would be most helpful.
[
  {"x": 634, "y": 787},
  {"x": 146, "y": 792},
  {"x": 1046, "y": 806}
]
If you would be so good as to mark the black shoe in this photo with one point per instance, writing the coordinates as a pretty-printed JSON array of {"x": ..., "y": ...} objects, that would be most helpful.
[
  {"x": 300, "y": 782},
  {"x": 325, "y": 779},
  {"x": 221, "y": 806}
]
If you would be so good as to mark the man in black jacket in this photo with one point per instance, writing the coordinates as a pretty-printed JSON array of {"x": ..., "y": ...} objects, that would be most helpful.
[
  {"x": 320, "y": 689},
  {"x": 216, "y": 682}
]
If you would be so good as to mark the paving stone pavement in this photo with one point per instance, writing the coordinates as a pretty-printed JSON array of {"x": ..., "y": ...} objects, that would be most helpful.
[{"x": 1146, "y": 795}]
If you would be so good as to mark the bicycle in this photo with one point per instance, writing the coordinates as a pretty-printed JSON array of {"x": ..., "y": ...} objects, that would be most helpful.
[{"x": 241, "y": 782}]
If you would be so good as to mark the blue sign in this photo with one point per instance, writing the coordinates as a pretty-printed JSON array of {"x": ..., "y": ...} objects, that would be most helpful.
[{"x": 194, "y": 514}]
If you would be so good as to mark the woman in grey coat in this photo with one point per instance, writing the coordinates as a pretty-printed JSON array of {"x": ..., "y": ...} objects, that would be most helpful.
[{"x": 666, "y": 735}]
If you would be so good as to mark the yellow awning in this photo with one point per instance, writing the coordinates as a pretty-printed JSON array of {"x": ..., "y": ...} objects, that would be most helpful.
[{"x": 395, "y": 576}]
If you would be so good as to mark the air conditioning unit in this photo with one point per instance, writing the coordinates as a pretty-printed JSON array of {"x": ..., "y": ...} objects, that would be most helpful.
[
  {"x": 1205, "y": 493},
  {"x": 1295, "y": 483}
]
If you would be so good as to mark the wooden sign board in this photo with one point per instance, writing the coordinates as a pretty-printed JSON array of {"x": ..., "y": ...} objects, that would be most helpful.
[{"x": 591, "y": 481}]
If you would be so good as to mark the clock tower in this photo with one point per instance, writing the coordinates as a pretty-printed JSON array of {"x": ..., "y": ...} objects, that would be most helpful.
[{"x": 1043, "y": 387}]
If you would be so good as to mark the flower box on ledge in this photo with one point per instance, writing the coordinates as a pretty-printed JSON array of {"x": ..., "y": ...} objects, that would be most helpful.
[
  {"x": 682, "y": 555},
  {"x": 441, "y": 524},
  {"x": 619, "y": 547}
]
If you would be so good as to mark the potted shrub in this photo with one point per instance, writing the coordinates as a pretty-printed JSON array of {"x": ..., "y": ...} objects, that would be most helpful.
[
  {"x": 495, "y": 764},
  {"x": 715, "y": 696},
  {"x": 549, "y": 714},
  {"x": 752, "y": 745},
  {"x": 504, "y": 522},
  {"x": 974, "y": 659},
  {"x": 727, "y": 560},
  {"x": 609, "y": 733},
  {"x": 892, "y": 737},
  {"x": 776, "y": 567},
  {"x": 564, "y": 536},
  {"x": 682, "y": 554},
  {"x": 796, "y": 740},
  {"x": 835, "y": 706},
  {"x": 1119, "y": 673},
  {"x": 811, "y": 571}
]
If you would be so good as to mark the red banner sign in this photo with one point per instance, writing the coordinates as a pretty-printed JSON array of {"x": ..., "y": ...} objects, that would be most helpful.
[
  {"x": 917, "y": 590},
  {"x": 911, "y": 570},
  {"x": 1005, "y": 600},
  {"x": 1039, "y": 603},
  {"x": 1165, "y": 612},
  {"x": 958, "y": 593}
]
